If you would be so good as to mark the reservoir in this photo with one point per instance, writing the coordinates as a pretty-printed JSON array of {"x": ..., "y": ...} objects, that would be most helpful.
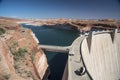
[{"x": 55, "y": 36}]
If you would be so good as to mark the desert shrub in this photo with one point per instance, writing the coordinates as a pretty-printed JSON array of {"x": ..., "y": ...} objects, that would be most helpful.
[
  {"x": 7, "y": 76},
  {"x": 13, "y": 47},
  {"x": 30, "y": 74},
  {"x": 2, "y": 30},
  {"x": 15, "y": 65},
  {"x": 20, "y": 53},
  {"x": 33, "y": 57}
]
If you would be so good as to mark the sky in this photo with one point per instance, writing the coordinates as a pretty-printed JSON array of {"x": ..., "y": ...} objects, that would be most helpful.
[{"x": 76, "y": 9}]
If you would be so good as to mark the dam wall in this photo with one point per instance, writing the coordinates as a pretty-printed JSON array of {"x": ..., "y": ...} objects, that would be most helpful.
[{"x": 101, "y": 55}]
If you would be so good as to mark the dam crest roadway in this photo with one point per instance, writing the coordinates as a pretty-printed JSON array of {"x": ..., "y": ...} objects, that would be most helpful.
[{"x": 92, "y": 56}]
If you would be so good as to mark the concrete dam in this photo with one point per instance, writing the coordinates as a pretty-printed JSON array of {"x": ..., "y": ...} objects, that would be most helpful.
[
  {"x": 102, "y": 60},
  {"x": 92, "y": 56}
]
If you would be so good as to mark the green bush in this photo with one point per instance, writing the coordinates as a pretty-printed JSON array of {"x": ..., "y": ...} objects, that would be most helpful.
[
  {"x": 15, "y": 65},
  {"x": 13, "y": 47},
  {"x": 7, "y": 76},
  {"x": 33, "y": 57},
  {"x": 2, "y": 30},
  {"x": 20, "y": 53}
]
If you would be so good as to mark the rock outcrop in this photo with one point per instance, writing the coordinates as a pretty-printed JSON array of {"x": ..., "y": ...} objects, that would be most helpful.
[{"x": 20, "y": 56}]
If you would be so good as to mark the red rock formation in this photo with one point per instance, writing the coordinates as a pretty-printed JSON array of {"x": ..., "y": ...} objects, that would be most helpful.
[
  {"x": 7, "y": 63},
  {"x": 13, "y": 44}
]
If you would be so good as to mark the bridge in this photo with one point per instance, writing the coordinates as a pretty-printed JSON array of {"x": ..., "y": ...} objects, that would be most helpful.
[
  {"x": 93, "y": 56},
  {"x": 61, "y": 49}
]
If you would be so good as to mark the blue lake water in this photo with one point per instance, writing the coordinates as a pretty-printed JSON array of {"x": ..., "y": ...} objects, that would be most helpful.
[{"x": 54, "y": 36}]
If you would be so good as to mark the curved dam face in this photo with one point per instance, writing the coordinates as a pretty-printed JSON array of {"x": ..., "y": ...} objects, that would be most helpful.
[{"x": 101, "y": 56}]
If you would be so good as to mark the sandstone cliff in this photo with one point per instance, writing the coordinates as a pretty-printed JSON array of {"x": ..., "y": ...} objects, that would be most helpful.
[{"x": 20, "y": 56}]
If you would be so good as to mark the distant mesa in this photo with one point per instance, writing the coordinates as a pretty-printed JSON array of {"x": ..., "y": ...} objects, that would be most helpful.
[{"x": 80, "y": 25}]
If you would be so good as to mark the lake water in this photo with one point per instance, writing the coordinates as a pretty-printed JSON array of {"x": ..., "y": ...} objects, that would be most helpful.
[{"x": 54, "y": 36}]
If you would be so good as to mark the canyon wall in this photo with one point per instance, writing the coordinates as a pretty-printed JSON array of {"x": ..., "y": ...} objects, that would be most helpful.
[{"x": 20, "y": 55}]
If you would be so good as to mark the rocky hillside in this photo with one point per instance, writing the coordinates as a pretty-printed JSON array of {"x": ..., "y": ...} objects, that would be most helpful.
[{"x": 20, "y": 55}]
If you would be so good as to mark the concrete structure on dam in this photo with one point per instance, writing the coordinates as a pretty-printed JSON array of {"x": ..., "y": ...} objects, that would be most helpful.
[{"x": 93, "y": 56}]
